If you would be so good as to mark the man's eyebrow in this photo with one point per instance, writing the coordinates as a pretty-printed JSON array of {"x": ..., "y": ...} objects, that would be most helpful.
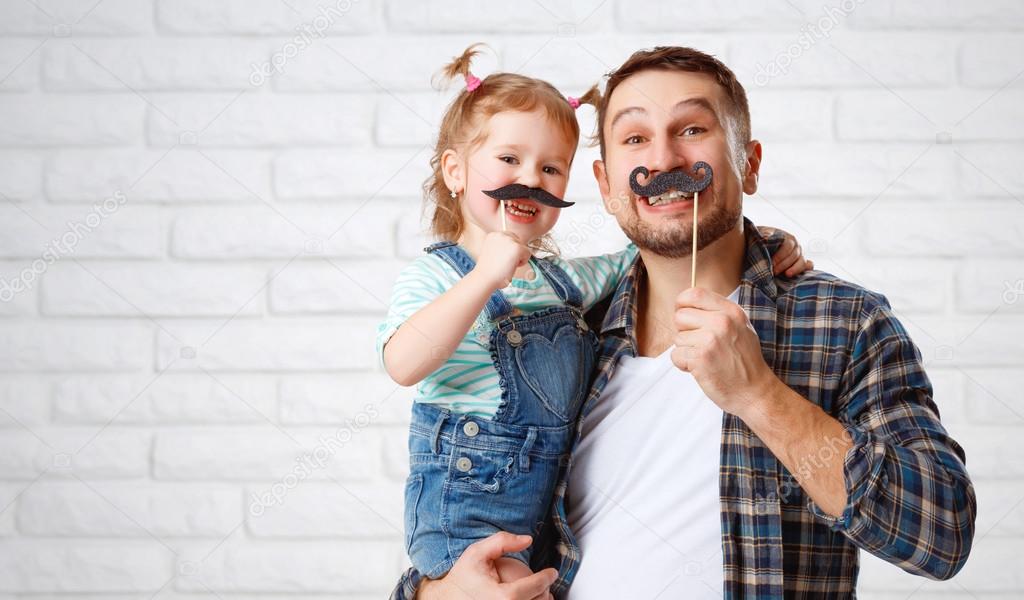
[{"x": 699, "y": 102}]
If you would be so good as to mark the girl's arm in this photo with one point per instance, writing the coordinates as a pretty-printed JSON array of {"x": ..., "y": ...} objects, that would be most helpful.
[{"x": 430, "y": 336}]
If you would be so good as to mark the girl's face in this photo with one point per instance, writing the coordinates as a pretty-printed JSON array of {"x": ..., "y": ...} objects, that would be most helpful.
[{"x": 519, "y": 147}]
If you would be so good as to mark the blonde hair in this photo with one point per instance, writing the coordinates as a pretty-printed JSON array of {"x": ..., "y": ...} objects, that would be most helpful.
[{"x": 461, "y": 127}]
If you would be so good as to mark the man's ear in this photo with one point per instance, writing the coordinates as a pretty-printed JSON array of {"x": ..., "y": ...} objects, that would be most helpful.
[
  {"x": 602, "y": 181},
  {"x": 752, "y": 168},
  {"x": 452, "y": 170}
]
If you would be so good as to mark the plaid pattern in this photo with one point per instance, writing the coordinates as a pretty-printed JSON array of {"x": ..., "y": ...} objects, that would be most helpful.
[{"x": 910, "y": 500}]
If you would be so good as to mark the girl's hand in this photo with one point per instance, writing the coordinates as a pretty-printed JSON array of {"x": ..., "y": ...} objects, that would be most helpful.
[
  {"x": 500, "y": 255},
  {"x": 789, "y": 258}
]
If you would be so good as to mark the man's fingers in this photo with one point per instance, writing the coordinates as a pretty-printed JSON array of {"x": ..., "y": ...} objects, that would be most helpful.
[
  {"x": 497, "y": 545},
  {"x": 533, "y": 586},
  {"x": 697, "y": 297}
]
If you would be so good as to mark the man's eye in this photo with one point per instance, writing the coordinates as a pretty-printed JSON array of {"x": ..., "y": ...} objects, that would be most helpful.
[
  {"x": 693, "y": 131},
  {"x": 509, "y": 159},
  {"x": 634, "y": 139}
]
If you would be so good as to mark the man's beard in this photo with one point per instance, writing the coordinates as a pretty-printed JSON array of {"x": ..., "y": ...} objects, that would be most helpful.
[{"x": 675, "y": 238}]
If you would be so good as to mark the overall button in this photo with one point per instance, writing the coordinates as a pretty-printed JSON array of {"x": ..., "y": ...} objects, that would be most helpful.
[
  {"x": 514, "y": 337},
  {"x": 581, "y": 324},
  {"x": 464, "y": 464},
  {"x": 471, "y": 429}
]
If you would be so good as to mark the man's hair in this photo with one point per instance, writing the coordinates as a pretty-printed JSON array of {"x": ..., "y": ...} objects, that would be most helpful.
[{"x": 679, "y": 58}]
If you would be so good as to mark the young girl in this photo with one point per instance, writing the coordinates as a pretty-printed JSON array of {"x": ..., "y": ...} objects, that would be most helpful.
[{"x": 493, "y": 335}]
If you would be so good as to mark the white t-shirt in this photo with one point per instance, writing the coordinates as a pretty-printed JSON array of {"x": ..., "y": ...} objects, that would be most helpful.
[{"x": 643, "y": 496}]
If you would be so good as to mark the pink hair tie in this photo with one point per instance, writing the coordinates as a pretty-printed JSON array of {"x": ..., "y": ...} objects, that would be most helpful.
[
  {"x": 472, "y": 82},
  {"x": 574, "y": 102}
]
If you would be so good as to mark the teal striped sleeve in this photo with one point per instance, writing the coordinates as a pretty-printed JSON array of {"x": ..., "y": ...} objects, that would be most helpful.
[
  {"x": 418, "y": 284},
  {"x": 598, "y": 276}
]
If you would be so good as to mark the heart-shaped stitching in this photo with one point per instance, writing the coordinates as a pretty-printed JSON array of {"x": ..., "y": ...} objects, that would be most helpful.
[{"x": 557, "y": 380}]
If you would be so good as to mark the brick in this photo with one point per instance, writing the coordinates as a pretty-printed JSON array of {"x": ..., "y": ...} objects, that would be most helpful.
[
  {"x": 83, "y": 566},
  {"x": 313, "y": 510},
  {"x": 912, "y": 286},
  {"x": 388, "y": 65},
  {"x": 350, "y": 173},
  {"x": 342, "y": 230},
  {"x": 24, "y": 401},
  {"x": 255, "y": 119},
  {"x": 921, "y": 14},
  {"x": 290, "y": 457},
  {"x": 992, "y": 398},
  {"x": 923, "y": 115},
  {"x": 895, "y": 230},
  {"x": 803, "y": 59},
  {"x": 976, "y": 341},
  {"x": 21, "y": 175},
  {"x": 983, "y": 286},
  {"x": 17, "y": 299},
  {"x": 784, "y": 117},
  {"x": 68, "y": 346},
  {"x": 156, "y": 176},
  {"x": 43, "y": 120},
  {"x": 867, "y": 170},
  {"x": 91, "y": 452},
  {"x": 105, "y": 509},
  {"x": 298, "y": 567},
  {"x": 982, "y": 61},
  {"x": 988, "y": 170},
  {"x": 706, "y": 15},
  {"x": 409, "y": 119},
  {"x": 171, "y": 290},
  {"x": 109, "y": 228},
  {"x": 315, "y": 399},
  {"x": 334, "y": 286},
  {"x": 19, "y": 64},
  {"x": 65, "y": 18},
  {"x": 553, "y": 18},
  {"x": 151, "y": 64},
  {"x": 168, "y": 399},
  {"x": 304, "y": 19}
]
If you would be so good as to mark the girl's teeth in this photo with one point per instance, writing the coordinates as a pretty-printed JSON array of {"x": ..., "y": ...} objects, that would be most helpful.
[{"x": 520, "y": 210}]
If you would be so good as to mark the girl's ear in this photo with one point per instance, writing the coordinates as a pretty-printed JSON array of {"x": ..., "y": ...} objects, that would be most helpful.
[{"x": 453, "y": 171}]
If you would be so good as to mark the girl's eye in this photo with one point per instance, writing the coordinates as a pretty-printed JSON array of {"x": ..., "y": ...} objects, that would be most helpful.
[
  {"x": 551, "y": 170},
  {"x": 509, "y": 159},
  {"x": 634, "y": 139}
]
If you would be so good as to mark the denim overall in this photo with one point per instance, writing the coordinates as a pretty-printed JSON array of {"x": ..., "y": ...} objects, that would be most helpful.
[{"x": 470, "y": 476}]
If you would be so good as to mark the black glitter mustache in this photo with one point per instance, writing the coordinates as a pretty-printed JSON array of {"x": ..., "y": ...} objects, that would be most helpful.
[
  {"x": 681, "y": 181},
  {"x": 518, "y": 190}
]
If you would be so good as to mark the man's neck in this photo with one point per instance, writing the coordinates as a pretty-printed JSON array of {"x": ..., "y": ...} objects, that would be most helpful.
[{"x": 719, "y": 269}]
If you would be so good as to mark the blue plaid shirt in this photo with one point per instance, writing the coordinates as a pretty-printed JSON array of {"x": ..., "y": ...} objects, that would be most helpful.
[{"x": 909, "y": 498}]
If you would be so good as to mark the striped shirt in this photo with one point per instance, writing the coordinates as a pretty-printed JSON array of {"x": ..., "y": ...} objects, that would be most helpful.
[
  {"x": 468, "y": 382},
  {"x": 909, "y": 498}
]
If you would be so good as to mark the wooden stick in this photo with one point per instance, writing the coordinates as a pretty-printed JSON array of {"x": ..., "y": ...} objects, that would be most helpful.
[
  {"x": 693, "y": 264},
  {"x": 504, "y": 223}
]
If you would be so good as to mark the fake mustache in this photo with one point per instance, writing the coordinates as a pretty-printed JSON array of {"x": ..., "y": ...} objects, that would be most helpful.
[
  {"x": 514, "y": 191},
  {"x": 681, "y": 181}
]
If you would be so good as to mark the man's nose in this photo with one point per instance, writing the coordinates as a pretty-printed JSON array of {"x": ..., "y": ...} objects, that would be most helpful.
[{"x": 664, "y": 156}]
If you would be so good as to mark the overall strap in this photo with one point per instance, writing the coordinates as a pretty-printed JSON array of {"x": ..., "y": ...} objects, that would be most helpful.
[
  {"x": 497, "y": 305},
  {"x": 559, "y": 280}
]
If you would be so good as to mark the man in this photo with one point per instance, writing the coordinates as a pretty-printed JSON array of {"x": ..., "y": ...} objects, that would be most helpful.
[{"x": 807, "y": 391}]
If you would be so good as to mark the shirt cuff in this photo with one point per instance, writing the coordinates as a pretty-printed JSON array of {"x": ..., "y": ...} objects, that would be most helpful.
[{"x": 862, "y": 469}]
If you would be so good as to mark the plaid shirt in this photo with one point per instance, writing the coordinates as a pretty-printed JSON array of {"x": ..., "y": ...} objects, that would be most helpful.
[{"x": 909, "y": 498}]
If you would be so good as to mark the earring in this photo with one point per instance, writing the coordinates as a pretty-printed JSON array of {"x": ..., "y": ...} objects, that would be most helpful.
[{"x": 453, "y": 194}]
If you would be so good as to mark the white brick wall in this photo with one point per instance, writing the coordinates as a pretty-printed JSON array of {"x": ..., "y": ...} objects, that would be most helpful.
[{"x": 189, "y": 402}]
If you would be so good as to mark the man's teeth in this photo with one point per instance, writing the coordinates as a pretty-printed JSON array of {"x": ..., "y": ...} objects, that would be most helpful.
[
  {"x": 669, "y": 197},
  {"x": 521, "y": 210}
]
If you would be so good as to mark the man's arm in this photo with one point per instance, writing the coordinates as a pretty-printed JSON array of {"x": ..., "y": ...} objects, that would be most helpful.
[{"x": 901, "y": 490}]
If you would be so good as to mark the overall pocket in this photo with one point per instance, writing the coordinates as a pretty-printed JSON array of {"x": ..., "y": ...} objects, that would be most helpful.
[{"x": 557, "y": 370}]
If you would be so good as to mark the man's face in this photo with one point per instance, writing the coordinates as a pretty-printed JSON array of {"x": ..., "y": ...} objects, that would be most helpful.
[{"x": 665, "y": 121}]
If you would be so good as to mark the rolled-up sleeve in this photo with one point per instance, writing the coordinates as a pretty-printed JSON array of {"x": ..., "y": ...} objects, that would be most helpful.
[
  {"x": 408, "y": 583},
  {"x": 909, "y": 498}
]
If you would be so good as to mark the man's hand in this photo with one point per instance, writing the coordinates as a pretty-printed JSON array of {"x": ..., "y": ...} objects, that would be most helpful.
[
  {"x": 718, "y": 345},
  {"x": 474, "y": 577}
]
